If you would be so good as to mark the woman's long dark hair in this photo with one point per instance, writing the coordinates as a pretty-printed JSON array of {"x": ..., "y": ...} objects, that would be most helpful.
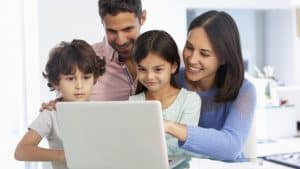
[{"x": 224, "y": 36}]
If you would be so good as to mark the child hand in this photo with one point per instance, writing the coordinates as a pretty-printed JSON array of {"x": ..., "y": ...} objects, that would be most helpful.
[{"x": 61, "y": 155}]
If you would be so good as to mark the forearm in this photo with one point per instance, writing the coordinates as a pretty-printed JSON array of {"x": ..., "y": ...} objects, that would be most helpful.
[
  {"x": 177, "y": 130},
  {"x": 34, "y": 153}
]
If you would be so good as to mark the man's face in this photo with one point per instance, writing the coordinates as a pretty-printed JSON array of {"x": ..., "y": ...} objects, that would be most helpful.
[{"x": 122, "y": 30}]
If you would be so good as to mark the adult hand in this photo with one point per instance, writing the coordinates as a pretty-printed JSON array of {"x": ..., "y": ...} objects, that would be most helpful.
[
  {"x": 48, "y": 106},
  {"x": 167, "y": 125},
  {"x": 175, "y": 129}
]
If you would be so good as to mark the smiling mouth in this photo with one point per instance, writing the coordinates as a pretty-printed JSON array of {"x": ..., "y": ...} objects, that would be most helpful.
[
  {"x": 194, "y": 69},
  {"x": 150, "y": 83}
]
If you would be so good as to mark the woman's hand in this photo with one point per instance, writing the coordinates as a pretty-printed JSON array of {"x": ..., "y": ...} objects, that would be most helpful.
[
  {"x": 176, "y": 130},
  {"x": 167, "y": 124}
]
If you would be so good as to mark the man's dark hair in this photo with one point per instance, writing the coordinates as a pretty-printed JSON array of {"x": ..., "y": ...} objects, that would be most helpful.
[{"x": 114, "y": 7}]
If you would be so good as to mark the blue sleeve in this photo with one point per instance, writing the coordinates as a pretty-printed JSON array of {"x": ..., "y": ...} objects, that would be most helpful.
[{"x": 227, "y": 143}]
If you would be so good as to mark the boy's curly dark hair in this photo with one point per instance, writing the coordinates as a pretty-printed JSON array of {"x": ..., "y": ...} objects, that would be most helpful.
[{"x": 67, "y": 56}]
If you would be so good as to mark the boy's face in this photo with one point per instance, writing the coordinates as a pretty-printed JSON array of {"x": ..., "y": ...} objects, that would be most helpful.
[
  {"x": 75, "y": 87},
  {"x": 122, "y": 30}
]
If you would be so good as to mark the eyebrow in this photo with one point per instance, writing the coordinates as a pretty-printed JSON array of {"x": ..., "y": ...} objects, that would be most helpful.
[
  {"x": 202, "y": 49},
  {"x": 205, "y": 50},
  {"x": 152, "y": 66},
  {"x": 126, "y": 28}
]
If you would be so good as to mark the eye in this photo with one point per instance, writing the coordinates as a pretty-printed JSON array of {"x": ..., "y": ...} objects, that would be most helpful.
[
  {"x": 204, "y": 54},
  {"x": 69, "y": 77},
  {"x": 111, "y": 32},
  {"x": 189, "y": 47},
  {"x": 127, "y": 29},
  {"x": 159, "y": 69},
  {"x": 87, "y": 77},
  {"x": 140, "y": 69}
]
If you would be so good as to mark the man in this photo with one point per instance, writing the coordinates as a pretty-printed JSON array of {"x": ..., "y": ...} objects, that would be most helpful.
[{"x": 122, "y": 21}]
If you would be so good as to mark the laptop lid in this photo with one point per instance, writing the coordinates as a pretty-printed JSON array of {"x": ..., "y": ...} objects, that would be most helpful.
[{"x": 113, "y": 135}]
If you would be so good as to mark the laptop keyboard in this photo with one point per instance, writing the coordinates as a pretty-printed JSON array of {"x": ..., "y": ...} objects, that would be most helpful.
[{"x": 287, "y": 159}]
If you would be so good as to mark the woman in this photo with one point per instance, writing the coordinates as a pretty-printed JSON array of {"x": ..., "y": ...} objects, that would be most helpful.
[{"x": 214, "y": 69}]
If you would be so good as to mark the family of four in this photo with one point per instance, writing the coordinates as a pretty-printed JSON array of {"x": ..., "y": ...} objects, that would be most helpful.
[{"x": 207, "y": 104}]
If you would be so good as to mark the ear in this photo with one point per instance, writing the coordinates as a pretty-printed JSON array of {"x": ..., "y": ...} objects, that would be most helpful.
[
  {"x": 174, "y": 68},
  {"x": 143, "y": 17}
]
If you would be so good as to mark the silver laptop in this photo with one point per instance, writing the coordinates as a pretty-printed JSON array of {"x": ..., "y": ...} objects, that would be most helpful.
[{"x": 114, "y": 135}]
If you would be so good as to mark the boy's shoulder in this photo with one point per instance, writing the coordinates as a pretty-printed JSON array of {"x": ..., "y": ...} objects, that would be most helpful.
[{"x": 47, "y": 115}]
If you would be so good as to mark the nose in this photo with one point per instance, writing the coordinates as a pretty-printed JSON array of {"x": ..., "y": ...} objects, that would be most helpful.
[
  {"x": 193, "y": 58},
  {"x": 78, "y": 84},
  {"x": 121, "y": 38},
  {"x": 150, "y": 75}
]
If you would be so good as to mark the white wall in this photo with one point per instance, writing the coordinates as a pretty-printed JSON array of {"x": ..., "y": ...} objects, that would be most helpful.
[
  {"x": 64, "y": 20},
  {"x": 297, "y": 46},
  {"x": 279, "y": 36}
]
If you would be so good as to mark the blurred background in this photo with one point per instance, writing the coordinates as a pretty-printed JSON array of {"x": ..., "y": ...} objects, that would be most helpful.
[{"x": 270, "y": 36}]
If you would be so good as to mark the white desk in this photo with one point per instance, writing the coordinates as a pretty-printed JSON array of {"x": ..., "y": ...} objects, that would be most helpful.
[
  {"x": 287, "y": 145},
  {"x": 210, "y": 164},
  {"x": 269, "y": 148}
]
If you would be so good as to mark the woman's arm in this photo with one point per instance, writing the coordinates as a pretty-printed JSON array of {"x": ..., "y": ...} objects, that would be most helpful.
[
  {"x": 28, "y": 150},
  {"x": 227, "y": 141}
]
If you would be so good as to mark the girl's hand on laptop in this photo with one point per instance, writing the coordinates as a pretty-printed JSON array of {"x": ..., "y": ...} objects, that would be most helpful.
[{"x": 48, "y": 106}]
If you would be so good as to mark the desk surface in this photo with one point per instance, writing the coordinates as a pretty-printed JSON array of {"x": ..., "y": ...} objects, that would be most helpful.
[
  {"x": 211, "y": 164},
  {"x": 263, "y": 149},
  {"x": 278, "y": 146}
]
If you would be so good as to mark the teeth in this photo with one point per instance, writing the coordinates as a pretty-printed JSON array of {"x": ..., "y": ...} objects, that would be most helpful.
[{"x": 195, "y": 68}]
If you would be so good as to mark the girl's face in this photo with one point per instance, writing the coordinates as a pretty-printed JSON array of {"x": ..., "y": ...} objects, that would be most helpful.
[
  {"x": 201, "y": 62},
  {"x": 75, "y": 87},
  {"x": 155, "y": 73}
]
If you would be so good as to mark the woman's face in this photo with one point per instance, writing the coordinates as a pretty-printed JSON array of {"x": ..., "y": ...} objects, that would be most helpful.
[{"x": 201, "y": 62}]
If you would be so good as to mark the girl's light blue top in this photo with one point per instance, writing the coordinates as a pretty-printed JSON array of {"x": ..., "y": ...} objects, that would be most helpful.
[{"x": 185, "y": 109}]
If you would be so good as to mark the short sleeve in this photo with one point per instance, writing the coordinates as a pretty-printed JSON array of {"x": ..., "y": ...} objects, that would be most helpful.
[{"x": 42, "y": 124}]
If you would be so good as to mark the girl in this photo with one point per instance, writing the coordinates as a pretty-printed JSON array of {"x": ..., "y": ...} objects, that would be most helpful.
[
  {"x": 157, "y": 60},
  {"x": 72, "y": 70},
  {"x": 214, "y": 69}
]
